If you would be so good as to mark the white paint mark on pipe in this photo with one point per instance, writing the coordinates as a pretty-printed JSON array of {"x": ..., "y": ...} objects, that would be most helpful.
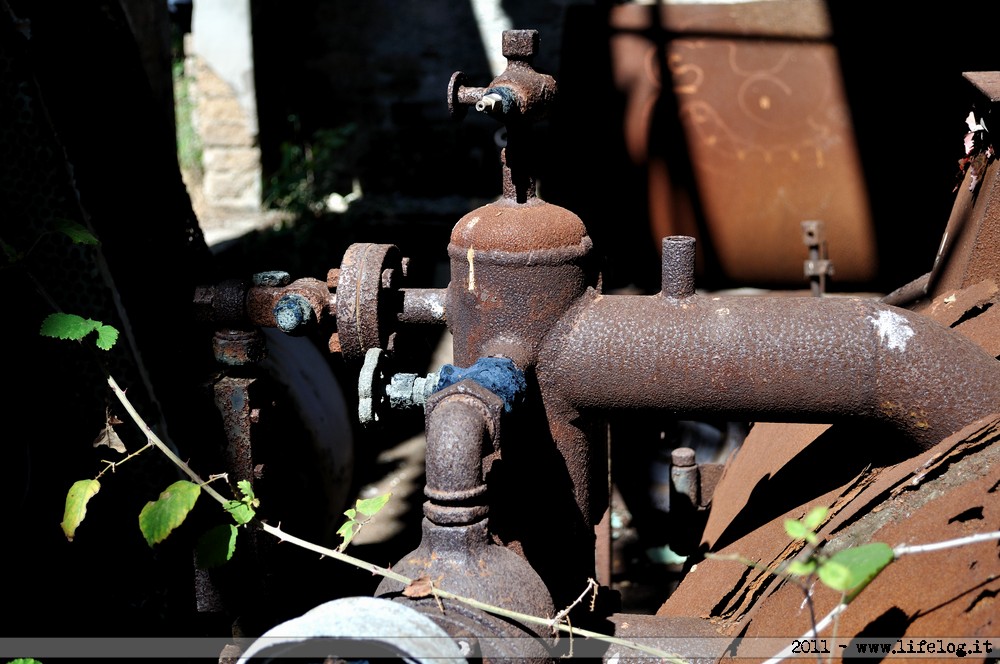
[
  {"x": 893, "y": 330},
  {"x": 437, "y": 309},
  {"x": 471, "y": 255}
]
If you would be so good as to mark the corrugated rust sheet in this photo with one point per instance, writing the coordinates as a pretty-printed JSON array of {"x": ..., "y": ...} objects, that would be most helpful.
[{"x": 948, "y": 491}]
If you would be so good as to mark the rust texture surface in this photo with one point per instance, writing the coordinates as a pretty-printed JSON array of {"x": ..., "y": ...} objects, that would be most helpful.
[
  {"x": 948, "y": 491},
  {"x": 970, "y": 248},
  {"x": 771, "y": 359},
  {"x": 767, "y": 127}
]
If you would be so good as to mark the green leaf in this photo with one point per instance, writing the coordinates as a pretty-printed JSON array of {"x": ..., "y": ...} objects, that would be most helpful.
[
  {"x": 10, "y": 252},
  {"x": 801, "y": 567},
  {"x": 78, "y": 233},
  {"x": 351, "y": 513},
  {"x": 852, "y": 569},
  {"x": 796, "y": 529},
  {"x": 75, "y": 328},
  {"x": 24, "y": 660},
  {"x": 67, "y": 326},
  {"x": 815, "y": 518},
  {"x": 242, "y": 513},
  {"x": 76, "y": 505},
  {"x": 158, "y": 519},
  {"x": 371, "y": 506},
  {"x": 835, "y": 575},
  {"x": 216, "y": 546},
  {"x": 107, "y": 336},
  {"x": 247, "y": 490},
  {"x": 348, "y": 531}
]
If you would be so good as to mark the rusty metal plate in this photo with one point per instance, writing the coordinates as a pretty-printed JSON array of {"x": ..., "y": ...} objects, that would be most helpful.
[{"x": 768, "y": 130}]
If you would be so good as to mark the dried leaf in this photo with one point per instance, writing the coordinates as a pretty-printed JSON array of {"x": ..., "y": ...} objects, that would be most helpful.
[
  {"x": 109, "y": 437},
  {"x": 419, "y": 587}
]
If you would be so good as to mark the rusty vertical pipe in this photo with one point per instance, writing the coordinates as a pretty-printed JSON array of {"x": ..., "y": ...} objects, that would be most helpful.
[
  {"x": 677, "y": 273},
  {"x": 456, "y": 550},
  {"x": 455, "y": 488}
]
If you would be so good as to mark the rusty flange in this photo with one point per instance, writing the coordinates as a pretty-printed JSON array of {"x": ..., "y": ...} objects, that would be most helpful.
[{"x": 368, "y": 280}]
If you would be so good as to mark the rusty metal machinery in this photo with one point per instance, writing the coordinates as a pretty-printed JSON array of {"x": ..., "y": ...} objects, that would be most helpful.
[{"x": 525, "y": 308}]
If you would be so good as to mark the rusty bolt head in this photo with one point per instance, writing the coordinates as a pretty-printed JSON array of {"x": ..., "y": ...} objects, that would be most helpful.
[
  {"x": 292, "y": 313},
  {"x": 519, "y": 44},
  {"x": 333, "y": 278},
  {"x": 682, "y": 457},
  {"x": 272, "y": 278}
]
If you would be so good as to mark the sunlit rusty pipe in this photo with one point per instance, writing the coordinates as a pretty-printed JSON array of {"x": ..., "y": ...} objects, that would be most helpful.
[
  {"x": 770, "y": 359},
  {"x": 749, "y": 358},
  {"x": 423, "y": 305},
  {"x": 458, "y": 428}
]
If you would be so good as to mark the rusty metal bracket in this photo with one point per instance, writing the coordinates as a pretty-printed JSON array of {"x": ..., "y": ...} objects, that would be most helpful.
[{"x": 817, "y": 267}]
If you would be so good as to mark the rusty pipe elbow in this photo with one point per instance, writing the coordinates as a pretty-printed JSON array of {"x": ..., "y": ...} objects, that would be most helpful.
[
  {"x": 770, "y": 359},
  {"x": 461, "y": 420}
]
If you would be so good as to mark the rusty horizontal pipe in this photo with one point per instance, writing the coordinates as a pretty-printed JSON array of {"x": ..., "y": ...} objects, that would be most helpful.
[
  {"x": 423, "y": 305},
  {"x": 262, "y": 300},
  {"x": 770, "y": 359}
]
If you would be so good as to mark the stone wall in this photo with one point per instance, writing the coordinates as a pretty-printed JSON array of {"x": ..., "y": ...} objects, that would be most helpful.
[{"x": 231, "y": 157}]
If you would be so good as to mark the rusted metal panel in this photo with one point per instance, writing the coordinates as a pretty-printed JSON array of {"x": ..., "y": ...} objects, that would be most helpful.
[
  {"x": 970, "y": 247},
  {"x": 765, "y": 126},
  {"x": 900, "y": 603}
]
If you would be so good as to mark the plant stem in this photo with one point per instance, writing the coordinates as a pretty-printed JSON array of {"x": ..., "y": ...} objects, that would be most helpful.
[
  {"x": 159, "y": 444},
  {"x": 904, "y": 549},
  {"x": 112, "y": 465},
  {"x": 811, "y": 634}
]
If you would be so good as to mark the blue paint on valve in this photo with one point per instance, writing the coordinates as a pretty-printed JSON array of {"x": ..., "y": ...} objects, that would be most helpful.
[{"x": 499, "y": 375}]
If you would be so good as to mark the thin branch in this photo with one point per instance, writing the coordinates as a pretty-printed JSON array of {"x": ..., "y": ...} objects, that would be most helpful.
[
  {"x": 591, "y": 584},
  {"x": 904, "y": 549},
  {"x": 159, "y": 444},
  {"x": 811, "y": 634},
  {"x": 112, "y": 465}
]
